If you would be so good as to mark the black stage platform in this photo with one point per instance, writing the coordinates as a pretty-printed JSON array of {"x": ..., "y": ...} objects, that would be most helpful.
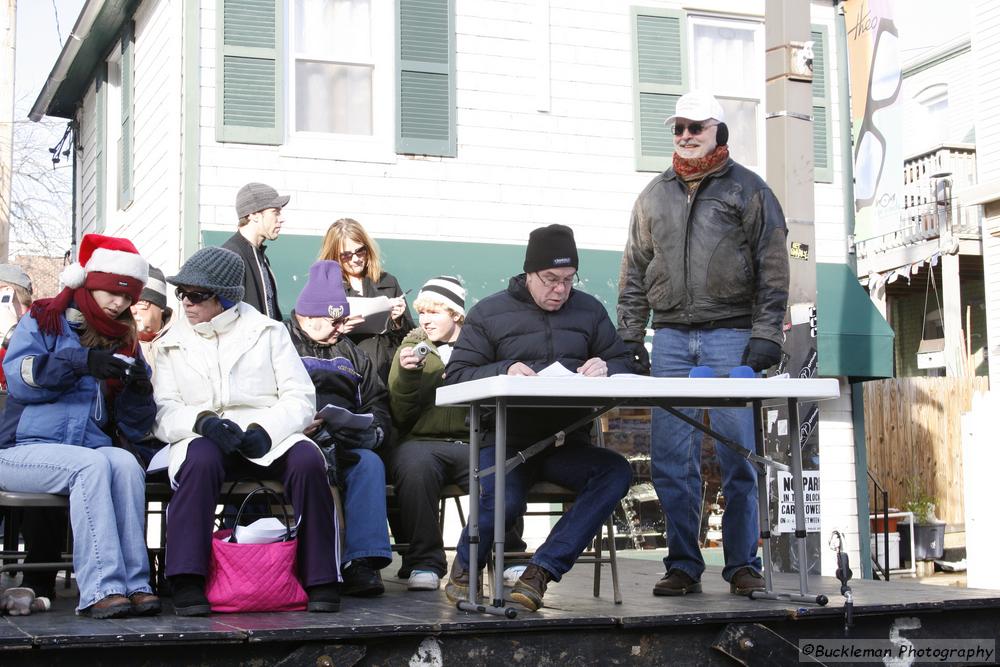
[{"x": 404, "y": 628}]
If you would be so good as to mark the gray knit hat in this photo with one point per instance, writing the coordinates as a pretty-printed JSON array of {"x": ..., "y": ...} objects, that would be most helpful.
[
  {"x": 15, "y": 275},
  {"x": 218, "y": 270},
  {"x": 254, "y": 197}
]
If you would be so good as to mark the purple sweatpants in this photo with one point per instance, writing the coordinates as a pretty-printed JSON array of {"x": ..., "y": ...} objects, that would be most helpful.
[{"x": 191, "y": 513}]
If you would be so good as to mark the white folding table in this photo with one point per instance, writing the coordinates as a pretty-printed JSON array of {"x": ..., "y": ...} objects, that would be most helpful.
[{"x": 503, "y": 392}]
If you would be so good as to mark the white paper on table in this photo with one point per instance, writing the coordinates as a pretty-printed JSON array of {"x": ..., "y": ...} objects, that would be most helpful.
[
  {"x": 375, "y": 310},
  {"x": 556, "y": 370},
  {"x": 263, "y": 531}
]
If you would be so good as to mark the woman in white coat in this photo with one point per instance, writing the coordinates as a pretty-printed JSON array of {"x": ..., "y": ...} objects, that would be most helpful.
[{"x": 232, "y": 400}]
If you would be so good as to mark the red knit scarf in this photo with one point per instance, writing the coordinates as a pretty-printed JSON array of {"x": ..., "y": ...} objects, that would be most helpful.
[
  {"x": 694, "y": 169},
  {"x": 48, "y": 313}
]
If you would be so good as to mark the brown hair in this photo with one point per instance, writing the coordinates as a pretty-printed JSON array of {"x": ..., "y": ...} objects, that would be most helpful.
[
  {"x": 89, "y": 338},
  {"x": 244, "y": 221},
  {"x": 348, "y": 228}
]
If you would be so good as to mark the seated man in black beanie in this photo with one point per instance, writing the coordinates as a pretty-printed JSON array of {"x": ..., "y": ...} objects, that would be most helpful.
[{"x": 538, "y": 320}]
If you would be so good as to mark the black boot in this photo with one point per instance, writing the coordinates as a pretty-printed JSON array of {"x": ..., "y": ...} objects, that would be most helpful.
[
  {"x": 361, "y": 580},
  {"x": 324, "y": 597},
  {"x": 189, "y": 595}
]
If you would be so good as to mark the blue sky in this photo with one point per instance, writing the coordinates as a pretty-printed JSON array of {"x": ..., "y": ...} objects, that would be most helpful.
[{"x": 38, "y": 46}]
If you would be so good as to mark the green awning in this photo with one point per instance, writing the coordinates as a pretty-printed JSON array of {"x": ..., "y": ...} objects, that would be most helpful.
[{"x": 854, "y": 339}]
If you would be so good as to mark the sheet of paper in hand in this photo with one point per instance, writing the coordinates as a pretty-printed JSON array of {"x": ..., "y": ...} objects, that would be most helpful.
[
  {"x": 375, "y": 310},
  {"x": 556, "y": 370},
  {"x": 337, "y": 418}
]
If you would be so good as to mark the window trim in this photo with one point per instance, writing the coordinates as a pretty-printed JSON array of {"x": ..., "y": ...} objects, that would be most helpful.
[
  {"x": 376, "y": 147},
  {"x": 757, "y": 26}
]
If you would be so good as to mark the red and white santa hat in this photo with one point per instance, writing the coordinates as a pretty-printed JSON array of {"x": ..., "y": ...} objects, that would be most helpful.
[{"x": 107, "y": 263}]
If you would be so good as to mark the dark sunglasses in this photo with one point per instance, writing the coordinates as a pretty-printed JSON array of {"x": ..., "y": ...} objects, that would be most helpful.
[
  {"x": 693, "y": 128},
  {"x": 193, "y": 296},
  {"x": 360, "y": 253}
]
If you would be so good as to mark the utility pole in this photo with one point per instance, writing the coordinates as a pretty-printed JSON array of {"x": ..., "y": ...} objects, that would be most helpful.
[
  {"x": 8, "y": 17},
  {"x": 789, "y": 125}
]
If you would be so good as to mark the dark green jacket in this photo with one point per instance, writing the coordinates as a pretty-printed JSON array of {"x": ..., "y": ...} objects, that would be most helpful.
[{"x": 411, "y": 398}]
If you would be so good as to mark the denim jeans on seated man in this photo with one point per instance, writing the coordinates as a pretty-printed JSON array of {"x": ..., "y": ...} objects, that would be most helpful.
[
  {"x": 676, "y": 455},
  {"x": 366, "y": 532},
  {"x": 600, "y": 478},
  {"x": 107, "y": 501}
]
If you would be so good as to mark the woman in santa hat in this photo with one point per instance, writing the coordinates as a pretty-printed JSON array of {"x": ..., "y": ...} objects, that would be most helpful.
[{"x": 77, "y": 381}]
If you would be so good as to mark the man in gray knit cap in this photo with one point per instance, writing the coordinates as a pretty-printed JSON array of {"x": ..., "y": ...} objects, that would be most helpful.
[
  {"x": 258, "y": 207},
  {"x": 232, "y": 400}
]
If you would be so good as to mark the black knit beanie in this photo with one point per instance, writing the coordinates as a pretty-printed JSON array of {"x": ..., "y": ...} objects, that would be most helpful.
[{"x": 550, "y": 247}]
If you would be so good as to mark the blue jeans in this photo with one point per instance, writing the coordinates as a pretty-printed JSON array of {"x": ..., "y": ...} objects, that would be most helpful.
[
  {"x": 676, "y": 455},
  {"x": 366, "y": 531},
  {"x": 599, "y": 477},
  {"x": 107, "y": 500}
]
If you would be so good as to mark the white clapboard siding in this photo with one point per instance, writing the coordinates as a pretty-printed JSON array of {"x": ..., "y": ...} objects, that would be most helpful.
[
  {"x": 86, "y": 213},
  {"x": 153, "y": 220},
  {"x": 986, "y": 56}
]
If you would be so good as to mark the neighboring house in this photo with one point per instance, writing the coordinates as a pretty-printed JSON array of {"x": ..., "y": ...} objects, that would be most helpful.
[
  {"x": 483, "y": 120},
  {"x": 43, "y": 271},
  {"x": 938, "y": 227}
]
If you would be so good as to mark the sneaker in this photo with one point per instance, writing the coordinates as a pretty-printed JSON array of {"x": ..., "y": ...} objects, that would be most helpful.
[
  {"x": 676, "y": 582},
  {"x": 530, "y": 588},
  {"x": 144, "y": 604},
  {"x": 189, "y": 595},
  {"x": 745, "y": 581},
  {"x": 361, "y": 580},
  {"x": 512, "y": 574},
  {"x": 324, "y": 598},
  {"x": 423, "y": 580},
  {"x": 113, "y": 606},
  {"x": 457, "y": 587}
]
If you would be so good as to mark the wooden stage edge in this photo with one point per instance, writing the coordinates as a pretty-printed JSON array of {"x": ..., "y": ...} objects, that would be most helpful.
[{"x": 573, "y": 628}]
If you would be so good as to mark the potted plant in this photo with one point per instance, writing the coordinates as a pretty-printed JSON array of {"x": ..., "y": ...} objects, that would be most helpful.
[{"x": 928, "y": 531}]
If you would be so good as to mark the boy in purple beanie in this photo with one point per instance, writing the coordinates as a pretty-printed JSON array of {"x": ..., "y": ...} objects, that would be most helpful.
[{"x": 344, "y": 376}]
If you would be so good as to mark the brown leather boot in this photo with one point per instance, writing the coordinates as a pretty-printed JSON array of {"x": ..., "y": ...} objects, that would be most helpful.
[
  {"x": 530, "y": 588},
  {"x": 144, "y": 604},
  {"x": 113, "y": 606}
]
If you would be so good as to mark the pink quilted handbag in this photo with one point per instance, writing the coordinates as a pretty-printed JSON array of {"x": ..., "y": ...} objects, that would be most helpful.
[{"x": 254, "y": 577}]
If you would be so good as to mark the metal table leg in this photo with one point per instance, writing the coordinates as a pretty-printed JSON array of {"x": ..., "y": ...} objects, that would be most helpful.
[
  {"x": 763, "y": 500},
  {"x": 473, "y": 604},
  {"x": 798, "y": 497}
]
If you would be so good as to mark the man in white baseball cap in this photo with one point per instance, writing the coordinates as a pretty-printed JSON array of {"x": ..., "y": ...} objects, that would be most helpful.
[{"x": 706, "y": 257}]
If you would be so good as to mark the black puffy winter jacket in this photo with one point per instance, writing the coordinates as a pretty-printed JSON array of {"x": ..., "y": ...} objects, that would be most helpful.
[{"x": 508, "y": 327}]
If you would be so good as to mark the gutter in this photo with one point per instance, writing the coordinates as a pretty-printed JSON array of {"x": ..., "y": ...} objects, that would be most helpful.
[{"x": 80, "y": 32}]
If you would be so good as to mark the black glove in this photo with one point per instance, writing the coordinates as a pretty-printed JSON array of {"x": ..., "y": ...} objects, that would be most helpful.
[
  {"x": 761, "y": 353},
  {"x": 225, "y": 433},
  {"x": 256, "y": 443},
  {"x": 104, "y": 365},
  {"x": 638, "y": 356},
  {"x": 364, "y": 438},
  {"x": 137, "y": 380}
]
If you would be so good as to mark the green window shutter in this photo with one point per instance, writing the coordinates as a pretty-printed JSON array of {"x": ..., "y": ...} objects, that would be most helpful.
[
  {"x": 425, "y": 78},
  {"x": 822, "y": 141},
  {"x": 125, "y": 149},
  {"x": 659, "y": 78},
  {"x": 100, "y": 162},
  {"x": 249, "y": 77}
]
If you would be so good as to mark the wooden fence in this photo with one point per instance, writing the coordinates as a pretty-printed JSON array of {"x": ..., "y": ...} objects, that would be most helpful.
[{"x": 914, "y": 438}]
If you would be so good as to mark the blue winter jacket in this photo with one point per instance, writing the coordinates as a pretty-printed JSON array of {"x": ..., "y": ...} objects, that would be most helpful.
[{"x": 53, "y": 398}]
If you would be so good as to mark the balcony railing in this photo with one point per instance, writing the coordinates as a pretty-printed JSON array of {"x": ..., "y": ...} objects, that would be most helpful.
[{"x": 930, "y": 209}]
